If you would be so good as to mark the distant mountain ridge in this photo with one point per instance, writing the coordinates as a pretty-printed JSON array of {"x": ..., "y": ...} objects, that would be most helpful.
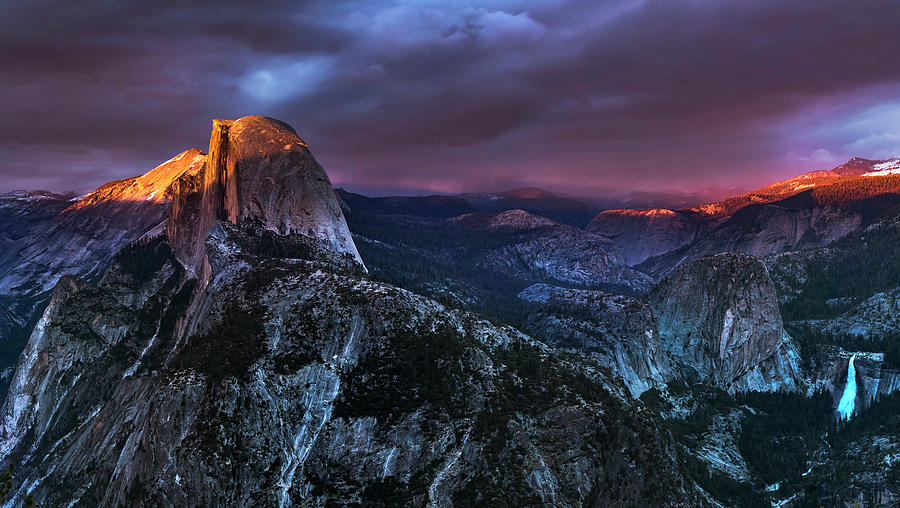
[
  {"x": 565, "y": 209},
  {"x": 807, "y": 211},
  {"x": 436, "y": 206}
]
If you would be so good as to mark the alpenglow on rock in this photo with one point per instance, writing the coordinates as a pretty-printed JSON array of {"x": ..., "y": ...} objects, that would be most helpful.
[
  {"x": 259, "y": 170},
  {"x": 720, "y": 322}
]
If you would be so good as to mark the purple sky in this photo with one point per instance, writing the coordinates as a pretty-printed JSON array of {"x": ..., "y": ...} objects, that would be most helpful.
[{"x": 580, "y": 97}]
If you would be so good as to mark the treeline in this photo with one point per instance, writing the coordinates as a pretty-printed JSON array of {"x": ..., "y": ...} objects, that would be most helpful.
[
  {"x": 787, "y": 431},
  {"x": 856, "y": 266},
  {"x": 855, "y": 189},
  {"x": 6, "y": 487},
  {"x": 810, "y": 340}
]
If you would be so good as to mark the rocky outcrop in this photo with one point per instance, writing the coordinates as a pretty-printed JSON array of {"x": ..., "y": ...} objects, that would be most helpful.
[
  {"x": 87, "y": 234},
  {"x": 643, "y": 234},
  {"x": 760, "y": 230},
  {"x": 258, "y": 170},
  {"x": 615, "y": 331},
  {"x": 877, "y": 315},
  {"x": 80, "y": 239},
  {"x": 720, "y": 323},
  {"x": 808, "y": 211},
  {"x": 23, "y": 216}
]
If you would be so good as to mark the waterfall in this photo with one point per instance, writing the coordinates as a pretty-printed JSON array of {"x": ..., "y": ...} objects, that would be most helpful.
[{"x": 845, "y": 406}]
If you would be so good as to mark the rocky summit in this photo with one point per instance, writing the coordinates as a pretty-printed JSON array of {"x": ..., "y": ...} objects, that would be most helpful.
[
  {"x": 257, "y": 169},
  {"x": 719, "y": 320}
]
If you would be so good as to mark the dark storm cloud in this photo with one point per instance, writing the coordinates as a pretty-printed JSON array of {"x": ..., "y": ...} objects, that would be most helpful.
[{"x": 576, "y": 96}]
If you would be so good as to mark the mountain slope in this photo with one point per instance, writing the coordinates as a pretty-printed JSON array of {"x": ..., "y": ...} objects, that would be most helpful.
[
  {"x": 280, "y": 374},
  {"x": 618, "y": 332},
  {"x": 809, "y": 211},
  {"x": 643, "y": 234},
  {"x": 80, "y": 239},
  {"x": 302, "y": 383},
  {"x": 481, "y": 261},
  {"x": 719, "y": 319}
]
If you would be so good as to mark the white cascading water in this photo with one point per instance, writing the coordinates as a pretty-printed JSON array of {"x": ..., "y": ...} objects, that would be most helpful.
[{"x": 848, "y": 399}]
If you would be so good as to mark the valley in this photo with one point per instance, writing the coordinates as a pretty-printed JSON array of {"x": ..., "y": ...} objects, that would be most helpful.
[{"x": 226, "y": 329}]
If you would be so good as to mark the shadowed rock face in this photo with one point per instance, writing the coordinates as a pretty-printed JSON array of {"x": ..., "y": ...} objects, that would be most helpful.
[
  {"x": 719, "y": 320},
  {"x": 303, "y": 383},
  {"x": 562, "y": 252},
  {"x": 643, "y": 234},
  {"x": 73, "y": 236},
  {"x": 616, "y": 331},
  {"x": 258, "y": 169}
]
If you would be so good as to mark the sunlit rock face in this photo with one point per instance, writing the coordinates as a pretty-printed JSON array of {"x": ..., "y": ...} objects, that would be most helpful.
[
  {"x": 808, "y": 211},
  {"x": 760, "y": 230},
  {"x": 84, "y": 236},
  {"x": 720, "y": 322},
  {"x": 258, "y": 169},
  {"x": 75, "y": 236}
]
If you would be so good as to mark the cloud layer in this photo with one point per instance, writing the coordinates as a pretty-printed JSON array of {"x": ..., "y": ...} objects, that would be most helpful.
[{"x": 447, "y": 96}]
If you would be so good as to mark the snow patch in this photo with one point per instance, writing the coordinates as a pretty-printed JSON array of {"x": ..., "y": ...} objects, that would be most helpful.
[{"x": 891, "y": 167}]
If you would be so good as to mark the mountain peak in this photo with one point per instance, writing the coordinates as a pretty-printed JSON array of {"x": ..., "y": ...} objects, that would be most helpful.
[
  {"x": 855, "y": 166},
  {"x": 257, "y": 169}
]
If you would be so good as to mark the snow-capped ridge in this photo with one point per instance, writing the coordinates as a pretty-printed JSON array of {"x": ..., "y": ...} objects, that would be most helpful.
[{"x": 889, "y": 167}]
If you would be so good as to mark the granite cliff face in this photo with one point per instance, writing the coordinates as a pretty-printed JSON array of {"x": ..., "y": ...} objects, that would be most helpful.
[
  {"x": 617, "y": 332},
  {"x": 714, "y": 320},
  {"x": 873, "y": 378},
  {"x": 764, "y": 229},
  {"x": 257, "y": 364},
  {"x": 77, "y": 236},
  {"x": 720, "y": 323},
  {"x": 23, "y": 215},
  {"x": 82, "y": 238},
  {"x": 258, "y": 170}
]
